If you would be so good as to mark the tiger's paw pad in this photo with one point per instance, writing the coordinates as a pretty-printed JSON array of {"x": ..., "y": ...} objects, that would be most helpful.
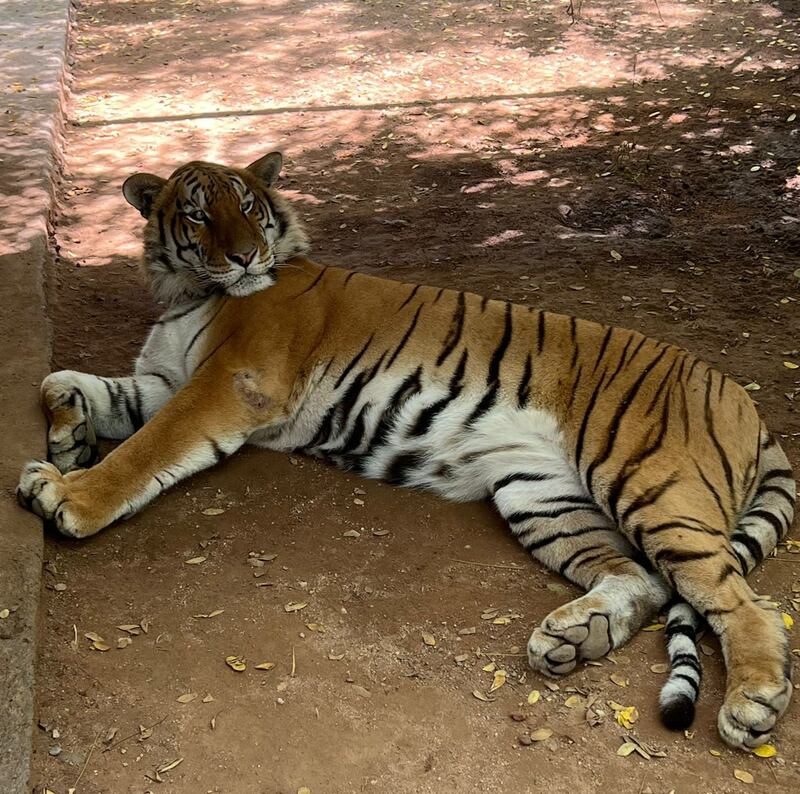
[
  {"x": 43, "y": 490},
  {"x": 750, "y": 713},
  {"x": 556, "y": 647}
]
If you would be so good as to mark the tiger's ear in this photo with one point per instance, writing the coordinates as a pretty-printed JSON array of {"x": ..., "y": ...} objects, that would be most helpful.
[
  {"x": 141, "y": 191},
  {"x": 267, "y": 168}
]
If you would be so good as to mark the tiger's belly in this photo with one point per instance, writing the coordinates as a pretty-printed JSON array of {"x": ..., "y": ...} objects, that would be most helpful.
[{"x": 424, "y": 439}]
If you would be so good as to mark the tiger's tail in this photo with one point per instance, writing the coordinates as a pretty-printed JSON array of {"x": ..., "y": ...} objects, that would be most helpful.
[
  {"x": 682, "y": 688},
  {"x": 763, "y": 524}
]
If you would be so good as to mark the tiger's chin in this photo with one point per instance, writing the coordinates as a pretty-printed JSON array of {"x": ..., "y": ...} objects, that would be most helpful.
[{"x": 248, "y": 284}]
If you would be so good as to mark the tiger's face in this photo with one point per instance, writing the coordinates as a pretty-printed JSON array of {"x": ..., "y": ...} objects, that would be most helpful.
[{"x": 211, "y": 228}]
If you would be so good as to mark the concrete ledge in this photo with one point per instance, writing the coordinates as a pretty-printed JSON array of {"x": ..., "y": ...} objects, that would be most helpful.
[{"x": 33, "y": 52}]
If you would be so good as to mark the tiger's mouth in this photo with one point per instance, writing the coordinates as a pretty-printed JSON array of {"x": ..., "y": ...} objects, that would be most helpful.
[{"x": 248, "y": 283}]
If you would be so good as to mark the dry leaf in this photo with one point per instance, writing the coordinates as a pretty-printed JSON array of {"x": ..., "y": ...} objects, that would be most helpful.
[
  {"x": 661, "y": 667},
  {"x": 741, "y": 774},
  {"x": 212, "y": 614},
  {"x": 100, "y": 646},
  {"x": 499, "y": 680},
  {"x": 90, "y": 635},
  {"x": 208, "y": 699},
  {"x": 573, "y": 701},
  {"x": 540, "y": 734},
  {"x": 236, "y": 663},
  {"x": 626, "y": 749},
  {"x": 195, "y": 560},
  {"x": 170, "y": 765},
  {"x": 188, "y": 697},
  {"x": 265, "y": 666},
  {"x": 534, "y": 697},
  {"x": 791, "y": 365},
  {"x": 654, "y": 627},
  {"x": 429, "y": 639},
  {"x": 295, "y": 606},
  {"x": 788, "y": 621},
  {"x": 489, "y": 668},
  {"x": 615, "y": 255},
  {"x": 619, "y": 679},
  {"x": 304, "y": 790},
  {"x": 213, "y": 511},
  {"x": 476, "y": 693},
  {"x": 715, "y": 753},
  {"x": 123, "y": 642}
]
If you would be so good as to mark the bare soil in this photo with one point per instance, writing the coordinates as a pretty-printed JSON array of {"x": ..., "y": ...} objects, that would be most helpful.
[{"x": 639, "y": 165}]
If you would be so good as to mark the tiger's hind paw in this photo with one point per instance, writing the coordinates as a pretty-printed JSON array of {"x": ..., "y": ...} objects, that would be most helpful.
[
  {"x": 556, "y": 647},
  {"x": 750, "y": 712}
]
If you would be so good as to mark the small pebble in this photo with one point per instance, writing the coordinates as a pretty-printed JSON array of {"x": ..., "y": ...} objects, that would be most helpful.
[
  {"x": 59, "y": 587},
  {"x": 55, "y": 750},
  {"x": 525, "y": 740},
  {"x": 517, "y": 716}
]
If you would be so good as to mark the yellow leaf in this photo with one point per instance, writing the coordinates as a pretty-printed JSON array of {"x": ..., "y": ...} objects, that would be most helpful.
[
  {"x": 619, "y": 680},
  {"x": 489, "y": 668},
  {"x": 791, "y": 365},
  {"x": 501, "y": 621},
  {"x": 654, "y": 627},
  {"x": 478, "y": 695},
  {"x": 715, "y": 753},
  {"x": 534, "y": 697},
  {"x": 573, "y": 701},
  {"x": 265, "y": 666},
  {"x": 304, "y": 790},
  {"x": 788, "y": 621},
  {"x": 540, "y": 734},
  {"x": 213, "y": 511},
  {"x": 236, "y": 663},
  {"x": 627, "y": 716},
  {"x": 295, "y": 606},
  {"x": 429, "y": 639},
  {"x": 499, "y": 680},
  {"x": 740, "y": 774},
  {"x": 626, "y": 749},
  {"x": 195, "y": 560},
  {"x": 615, "y": 255},
  {"x": 765, "y": 751}
]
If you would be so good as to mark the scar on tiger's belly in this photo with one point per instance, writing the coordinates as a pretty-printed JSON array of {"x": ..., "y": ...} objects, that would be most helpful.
[{"x": 246, "y": 385}]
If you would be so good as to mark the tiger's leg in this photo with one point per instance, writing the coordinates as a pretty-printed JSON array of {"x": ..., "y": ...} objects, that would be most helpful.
[
  {"x": 554, "y": 519},
  {"x": 80, "y": 407},
  {"x": 704, "y": 565},
  {"x": 210, "y": 418}
]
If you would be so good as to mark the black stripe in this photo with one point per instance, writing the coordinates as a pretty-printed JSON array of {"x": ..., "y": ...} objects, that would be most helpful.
[
  {"x": 726, "y": 466},
  {"x": 684, "y": 629},
  {"x": 497, "y": 357},
  {"x": 405, "y": 338},
  {"x": 750, "y": 543},
  {"x": 219, "y": 455},
  {"x": 557, "y": 512},
  {"x": 399, "y": 468},
  {"x": 573, "y": 558},
  {"x": 764, "y": 489},
  {"x": 603, "y": 346},
  {"x": 772, "y": 473},
  {"x": 622, "y": 408},
  {"x": 689, "y": 680},
  {"x": 540, "y": 332},
  {"x": 649, "y": 497},
  {"x": 408, "y": 299},
  {"x": 429, "y": 413},
  {"x": 487, "y": 402},
  {"x": 203, "y": 328},
  {"x": 523, "y": 390},
  {"x": 353, "y": 362},
  {"x": 356, "y": 435},
  {"x": 714, "y": 492},
  {"x": 454, "y": 332},
  {"x": 408, "y": 388},
  {"x": 675, "y": 556},
  {"x": 348, "y": 277},
  {"x": 313, "y": 283},
  {"x": 438, "y": 295},
  {"x": 521, "y": 477},
  {"x": 771, "y": 519},
  {"x": 540, "y": 544},
  {"x": 684, "y": 659}
]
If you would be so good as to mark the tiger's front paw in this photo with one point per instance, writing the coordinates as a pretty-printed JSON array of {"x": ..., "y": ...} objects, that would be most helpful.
[
  {"x": 71, "y": 439},
  {"x": 44, "y": 490}
]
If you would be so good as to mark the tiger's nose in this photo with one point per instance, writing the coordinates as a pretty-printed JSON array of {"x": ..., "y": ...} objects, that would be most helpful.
[{"x": 242, "y": 259}]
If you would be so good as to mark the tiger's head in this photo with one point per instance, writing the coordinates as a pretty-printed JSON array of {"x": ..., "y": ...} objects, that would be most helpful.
[{"x": 211, "y": 228}]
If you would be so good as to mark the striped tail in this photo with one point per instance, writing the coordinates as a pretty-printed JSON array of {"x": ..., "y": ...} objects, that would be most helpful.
[{"x": 680, "y": 693}]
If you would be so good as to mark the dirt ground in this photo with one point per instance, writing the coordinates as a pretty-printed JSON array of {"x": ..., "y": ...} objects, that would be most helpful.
[{"x": 638, "y": 165}]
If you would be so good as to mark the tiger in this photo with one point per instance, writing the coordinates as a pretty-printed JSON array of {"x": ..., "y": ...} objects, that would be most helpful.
[{"x": 629, "y": 466}]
